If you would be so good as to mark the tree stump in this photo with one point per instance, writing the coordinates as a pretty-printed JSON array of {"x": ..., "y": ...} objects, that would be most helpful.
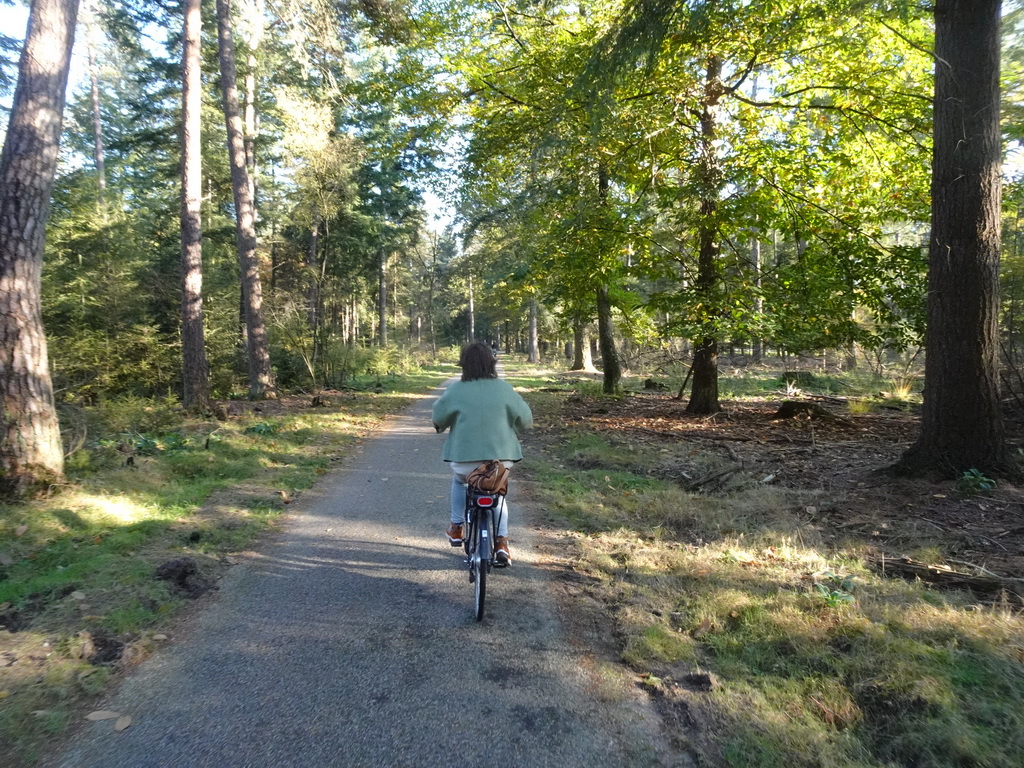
[
  {"x": 791, "y": 409},
  {"x": 798, "y": 378}
]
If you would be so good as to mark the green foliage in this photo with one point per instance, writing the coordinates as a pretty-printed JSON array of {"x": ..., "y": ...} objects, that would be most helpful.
[
  {"x": 262, "y": 428},
  {"x": 835, "y": 590},
  {"x": 973, "y": 481},
  {"x": 132, "y": 415},
  {"x": 380, "y": 362},
  {"x": 90, "y": 364}
]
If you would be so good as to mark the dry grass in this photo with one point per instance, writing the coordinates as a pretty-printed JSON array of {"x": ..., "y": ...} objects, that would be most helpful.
[
  {"x": 813, "y": 658},
  {"x": 79, "y": 600}
]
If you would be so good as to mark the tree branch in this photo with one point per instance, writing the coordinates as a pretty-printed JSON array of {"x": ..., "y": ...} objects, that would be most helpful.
[
  {"x": 743, "y": 77},
  {"x": 509, "y": 27},
  {"x": 511, "y": 98},
  {"x": 830, "y": 108}
]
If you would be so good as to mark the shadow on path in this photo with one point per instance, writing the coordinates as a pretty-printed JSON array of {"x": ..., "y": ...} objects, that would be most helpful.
[{"x": 349, "y": 641}]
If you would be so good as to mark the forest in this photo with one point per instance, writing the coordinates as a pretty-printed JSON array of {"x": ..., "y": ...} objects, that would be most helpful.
[
  {"x": 212, "y": 209},
  {"x": 275, "y": 196}
]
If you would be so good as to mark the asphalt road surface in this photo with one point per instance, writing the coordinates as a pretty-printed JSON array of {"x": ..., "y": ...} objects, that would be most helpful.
[{"x": 349, "y": 640}]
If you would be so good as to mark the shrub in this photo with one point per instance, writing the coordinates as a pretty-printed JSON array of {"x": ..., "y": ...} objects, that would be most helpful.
[
  {"x": 90, "y": 363},
  {"x": 130, "y": 414},
  {"x": 381, "y": 361},
  {"x": 449, "y": 354}
]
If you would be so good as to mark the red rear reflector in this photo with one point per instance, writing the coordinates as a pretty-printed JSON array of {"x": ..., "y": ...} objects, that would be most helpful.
[{"x": 485, "y": 501}]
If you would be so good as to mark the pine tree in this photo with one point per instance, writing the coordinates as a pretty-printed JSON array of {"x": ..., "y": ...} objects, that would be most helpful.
[
  {"x": 31, "y": 454},
  {"x": 195, "y": 368},
  {"x": 962, "y": 424},
  {"x": 261, "y": 379}
]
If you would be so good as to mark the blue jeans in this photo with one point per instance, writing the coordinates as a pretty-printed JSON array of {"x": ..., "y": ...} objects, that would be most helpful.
[{"x": 460, "y": 471}]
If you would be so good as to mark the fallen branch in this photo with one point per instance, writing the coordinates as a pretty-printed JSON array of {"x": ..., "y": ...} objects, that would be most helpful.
[
  {"x": 686, "y": 381},
  {"x": 680, "y": 435},
  {"x": 709, "y": 478},
  {"x": 978, "y": 568},
  {"x": 946, "y": 577}
]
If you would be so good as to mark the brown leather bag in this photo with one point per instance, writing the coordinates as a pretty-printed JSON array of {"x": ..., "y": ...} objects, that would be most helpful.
[{"x": 491, "y": 476}]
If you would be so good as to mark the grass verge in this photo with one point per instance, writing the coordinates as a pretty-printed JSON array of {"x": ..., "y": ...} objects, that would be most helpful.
[
  {"x": 772, "y": 645},
  {"x": 80, "y": 595}
]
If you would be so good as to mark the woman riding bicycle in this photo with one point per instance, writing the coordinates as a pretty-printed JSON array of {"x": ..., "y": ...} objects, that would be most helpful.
[{"x": 485, "y": 416}]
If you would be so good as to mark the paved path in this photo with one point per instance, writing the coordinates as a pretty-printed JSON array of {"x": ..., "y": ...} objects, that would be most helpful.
[{"x": 349, "y": 641}]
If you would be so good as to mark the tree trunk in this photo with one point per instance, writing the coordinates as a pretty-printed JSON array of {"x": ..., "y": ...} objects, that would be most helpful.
[
  {"x": 850, "y": 356},
  {"x": 261, "y": 379},
  {"x": 704, "y": 398},
  {"x": 195, "y": 368},
  {"x": 314, "y": 296},
  {"x": 253, "y": 23},
  {"x": 430, "y": 296},
  {"x": 757, "y": 343},
  {"x": 579, "y": 341},
  {"x": 605, "y": 329},
  {"x": 961, "y": 424},
  {"x": 250, "y": 123},
  {"x": 31, "y": 454},
  {"x": 312, "y": 261},
  {"x": 606, "y": 342},
  {"x": 472, "y": 313},
  {"x": 704, "y": 395},
  {"x": 97, "y": 125},
  {"x": 582, "y": 359},
  {"x": 533, "y": 350},
  {"x": 588, "y": 348},
  {"x": 382, "y": 299}
]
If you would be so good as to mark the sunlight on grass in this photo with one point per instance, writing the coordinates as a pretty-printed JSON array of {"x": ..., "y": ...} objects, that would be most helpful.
[
  {"x": 84, "y": 560},
  {"x": 860, "y": 407},
  {"x": 816, "y": 659},
  {"x": 887, "y": 673},
  {"x": 119, "y": 509}
]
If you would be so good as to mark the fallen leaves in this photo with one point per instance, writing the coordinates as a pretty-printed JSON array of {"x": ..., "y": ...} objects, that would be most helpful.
[
  {"x": 102, "y": 714},
  {"x": 122, "y": 722},
  {"x": 703, "y": 628}
]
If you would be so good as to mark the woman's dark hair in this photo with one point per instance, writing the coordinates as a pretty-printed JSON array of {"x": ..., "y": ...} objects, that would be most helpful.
[{"x": 477, "y": 362}]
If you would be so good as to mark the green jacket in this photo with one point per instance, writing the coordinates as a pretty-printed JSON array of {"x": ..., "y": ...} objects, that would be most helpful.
[{"x": 485, "y": 417}]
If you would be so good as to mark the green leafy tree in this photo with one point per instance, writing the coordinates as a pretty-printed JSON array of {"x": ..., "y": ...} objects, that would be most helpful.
[{"x": 761, "y": 117}]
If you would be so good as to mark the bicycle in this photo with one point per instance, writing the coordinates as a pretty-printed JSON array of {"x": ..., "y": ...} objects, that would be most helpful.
[{"x": 482, "y": 518}]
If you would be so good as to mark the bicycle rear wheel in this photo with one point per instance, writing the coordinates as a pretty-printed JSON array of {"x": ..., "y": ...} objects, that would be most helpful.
[
  {"x": 479, "y": 586},
  {"x": 480, "y": 560}
]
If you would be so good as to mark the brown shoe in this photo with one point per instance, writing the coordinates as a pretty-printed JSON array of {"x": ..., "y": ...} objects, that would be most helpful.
[
  {"x": 455, "y": 534},
  {"x": 502, "y": 557}
]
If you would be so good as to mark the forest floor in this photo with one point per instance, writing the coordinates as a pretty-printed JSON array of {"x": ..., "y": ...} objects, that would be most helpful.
[
  {"x": 845, "y": 456},
  {"x": 745, "y": 542},
  {"x": 784, "y": 596}
]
